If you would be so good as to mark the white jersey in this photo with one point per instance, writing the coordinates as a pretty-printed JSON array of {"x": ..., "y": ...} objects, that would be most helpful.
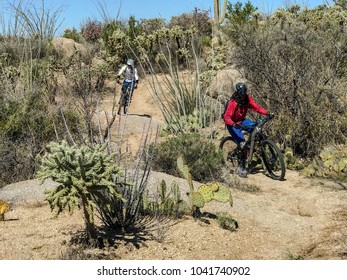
[{"x": 130, "y": 73}]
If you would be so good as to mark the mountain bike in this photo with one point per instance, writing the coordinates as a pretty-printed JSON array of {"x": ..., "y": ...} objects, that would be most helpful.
[
  {"x": 262, "y": 153},
  {"x": 125, "y": 99}
]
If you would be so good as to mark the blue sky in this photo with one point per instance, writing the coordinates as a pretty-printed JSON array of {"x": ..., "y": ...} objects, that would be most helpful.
[{"x": 74, "y": 12}]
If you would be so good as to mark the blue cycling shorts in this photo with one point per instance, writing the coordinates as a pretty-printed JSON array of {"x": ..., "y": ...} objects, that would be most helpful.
[{"x": 236, "y": 133}]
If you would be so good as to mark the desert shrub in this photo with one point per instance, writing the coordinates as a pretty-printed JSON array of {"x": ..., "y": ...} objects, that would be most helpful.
[
  {"x": 152, "y": 24},
  {"x": 86, "y": 88},
  {"x": 91, "y": 31},
  {"x": 10, "y": 49},
  {"x": 28, "y": 119},
  {"x": 73, "y": 34},
  {"x": 114, "y": 39},
  {"x": 236, "y": 16},
  {"x": 25, "y": 125},
  {"x": 199, "y": 153},
  {"x": 197, "y": 18},
  {"x": 297, "y": 77}
]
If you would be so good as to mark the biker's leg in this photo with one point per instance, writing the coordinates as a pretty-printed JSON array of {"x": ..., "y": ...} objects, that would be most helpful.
[
  {"x": 236, "y": 134},
  {"x": 132, "y": 86},
  {"x": 248, "y": 125},
  {"x": 126, "y": 84},
  {"x": 240, "y": 151}
]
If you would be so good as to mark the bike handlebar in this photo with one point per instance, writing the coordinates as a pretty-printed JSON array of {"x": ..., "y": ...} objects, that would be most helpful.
[{"x": 261, "y": 122}]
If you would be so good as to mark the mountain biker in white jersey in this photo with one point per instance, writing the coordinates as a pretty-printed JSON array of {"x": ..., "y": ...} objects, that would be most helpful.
[{"x": 131, "y": 77}]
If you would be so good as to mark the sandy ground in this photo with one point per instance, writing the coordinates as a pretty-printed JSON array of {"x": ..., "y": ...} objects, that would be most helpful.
[{"x": 295, "y": 218}]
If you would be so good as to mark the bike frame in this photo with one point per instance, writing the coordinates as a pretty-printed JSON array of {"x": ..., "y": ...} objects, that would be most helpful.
[
  {"x": 257, "y": 130},
  {"x": 126, "y": 96}
]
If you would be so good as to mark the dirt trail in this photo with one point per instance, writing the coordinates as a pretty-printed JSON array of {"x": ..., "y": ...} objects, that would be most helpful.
[{"x": 298, "y": 217}]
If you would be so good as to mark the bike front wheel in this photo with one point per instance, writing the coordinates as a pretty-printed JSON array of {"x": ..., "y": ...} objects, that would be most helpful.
[
  {"x": 121, "y": 102},
  {"x": 228, "y": 149},
  {"x": 127, "y": 99},
  {"x": 273, "y": 159}
]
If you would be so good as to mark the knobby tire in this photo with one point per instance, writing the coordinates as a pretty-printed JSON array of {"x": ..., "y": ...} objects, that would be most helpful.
[
  {"x": 227, "y": 145},
  {"x": 273, "y": 159}
]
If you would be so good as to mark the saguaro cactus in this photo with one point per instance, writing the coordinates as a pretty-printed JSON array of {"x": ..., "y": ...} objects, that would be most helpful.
[{"x": 219, "y": 14}]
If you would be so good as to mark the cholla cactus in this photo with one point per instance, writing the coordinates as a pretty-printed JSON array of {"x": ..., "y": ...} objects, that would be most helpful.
[
  {"x": 4, "y": 207},
  {"x": 82, "y": 173}
]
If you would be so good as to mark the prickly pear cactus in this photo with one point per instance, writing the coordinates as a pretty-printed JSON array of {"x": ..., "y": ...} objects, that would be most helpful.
[
  {"x": 214, "y": 186},
  {"x": 4, "y": 207},
  {"x": 204, "y": 193},
  {"x": 184, "y": 169},
  {"x": 197, "y": 199},
  {"x": 207, "y": 192},
  {"x": 222, "y": 195},
  {"x": 292, "y": 162},
  {"x": 332, "y": 162},
  {"x": 216, "y": 191}
]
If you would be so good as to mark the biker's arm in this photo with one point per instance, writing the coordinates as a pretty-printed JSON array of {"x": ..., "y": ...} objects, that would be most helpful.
[
  {"x": 120, "y": 72},
  {"x": 256, "y": 107},
  {"x": 229, "y": 114},
  {"x": 136, "y": 76}
]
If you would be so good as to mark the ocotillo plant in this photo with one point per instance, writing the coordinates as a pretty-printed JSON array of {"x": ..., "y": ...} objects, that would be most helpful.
[{"x": 169, "y": 201}]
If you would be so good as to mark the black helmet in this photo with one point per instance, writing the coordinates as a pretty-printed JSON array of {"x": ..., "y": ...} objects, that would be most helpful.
[
  {"x": 241, "y": 89},
  {"x": 240, "y": 92}
]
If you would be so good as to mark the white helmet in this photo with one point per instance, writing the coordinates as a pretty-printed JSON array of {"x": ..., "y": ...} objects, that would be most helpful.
[{"x": 130, "y": 62}]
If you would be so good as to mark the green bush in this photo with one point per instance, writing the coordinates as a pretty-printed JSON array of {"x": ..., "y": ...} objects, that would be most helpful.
[
  {"x": 294, "y": 75},
  {"x": 199, "y": 154},
  {"x": 73, "y": 34}
]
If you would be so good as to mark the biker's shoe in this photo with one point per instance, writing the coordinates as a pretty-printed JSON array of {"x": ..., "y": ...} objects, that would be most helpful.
[
  {"x": 241, "y": 171},
  {"x": 272, "y": 159},
  {"x": 241, "y": 168}
]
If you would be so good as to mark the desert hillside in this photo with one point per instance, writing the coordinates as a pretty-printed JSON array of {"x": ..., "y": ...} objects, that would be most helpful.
[{"x": 294, "y": 218}]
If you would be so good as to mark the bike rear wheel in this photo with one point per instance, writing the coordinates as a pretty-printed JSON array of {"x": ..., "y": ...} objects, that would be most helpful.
[
  {"x": 228, "y": 149},
  {"x": 273, "y": 159}
]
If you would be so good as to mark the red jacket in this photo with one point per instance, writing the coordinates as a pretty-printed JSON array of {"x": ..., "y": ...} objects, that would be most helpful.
[{"x": 236, "y": 115}]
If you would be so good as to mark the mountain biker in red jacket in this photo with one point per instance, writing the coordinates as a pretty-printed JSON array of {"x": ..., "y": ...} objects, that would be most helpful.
[{"x": 235, "y": 120}]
